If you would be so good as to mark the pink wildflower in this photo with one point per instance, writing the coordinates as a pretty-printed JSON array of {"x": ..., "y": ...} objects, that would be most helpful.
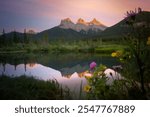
[{"x": 93, "y": 65}]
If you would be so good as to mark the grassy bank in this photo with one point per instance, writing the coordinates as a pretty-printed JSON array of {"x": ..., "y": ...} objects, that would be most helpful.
[
  {"x": 25, "y": 88},
  {"x": 64, "y": 46}
]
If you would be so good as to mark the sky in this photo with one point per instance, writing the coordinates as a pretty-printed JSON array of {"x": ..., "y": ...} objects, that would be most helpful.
[{"x": 40, "y": 15}]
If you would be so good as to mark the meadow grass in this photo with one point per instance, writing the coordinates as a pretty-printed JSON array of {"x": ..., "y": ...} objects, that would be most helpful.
[
  {"x": 88, "y": 46},
  {"x": 28, "y": 88}
]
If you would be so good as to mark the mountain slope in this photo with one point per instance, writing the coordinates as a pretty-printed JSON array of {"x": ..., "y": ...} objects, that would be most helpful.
[
  {"x": 67, "y": 30},
  {"x": 120, "y": 29},
  {"x": 57, "y": 33}
]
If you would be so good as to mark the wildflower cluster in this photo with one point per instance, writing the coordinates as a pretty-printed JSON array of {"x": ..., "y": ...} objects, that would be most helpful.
[
  {"x": 137, "y": 41},
  {"x": 135, "y": 70},
  {"x": 97, "y": 87},
  {"x": 122, "y": 55},
  {"x": 95, "y": 79},
  {"x": 117, "y": 54}
]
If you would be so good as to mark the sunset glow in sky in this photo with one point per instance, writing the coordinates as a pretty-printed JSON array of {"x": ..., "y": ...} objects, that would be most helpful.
[{"x": 44, "y": 14}]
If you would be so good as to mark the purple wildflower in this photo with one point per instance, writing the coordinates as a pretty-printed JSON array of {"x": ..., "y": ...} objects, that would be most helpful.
[
  {"x": 92, "y": 65},
  {"x": 132, "y": 14}
]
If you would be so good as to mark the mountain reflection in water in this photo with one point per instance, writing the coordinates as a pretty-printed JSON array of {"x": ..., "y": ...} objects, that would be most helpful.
[
  {"x": 68, "y": 69},
  {"x": 72, "y": 81}
]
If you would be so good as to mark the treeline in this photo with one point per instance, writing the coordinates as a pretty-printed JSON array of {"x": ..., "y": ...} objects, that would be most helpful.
[
  {"x": 14, "y": 37},
  {"x": 27, "y": 37},
  {"x": 31, "y": 42}
]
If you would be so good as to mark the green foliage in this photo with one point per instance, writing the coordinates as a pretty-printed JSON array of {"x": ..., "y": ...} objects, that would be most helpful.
[
  {"x": 15, "y": 37},
  {"x": 28, "y": 88},
  {"x": 135, "y": 61},
  {"x": 119, "y": 89},
  {"x": 25, "y": 37},
  {"x": 3, "y": 38},
  {"x": 82, "y": 46},
  {"x": 139, "y": 50}
]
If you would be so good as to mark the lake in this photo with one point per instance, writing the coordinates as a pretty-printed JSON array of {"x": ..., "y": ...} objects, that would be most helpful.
[{"x": 68, "y": 69}]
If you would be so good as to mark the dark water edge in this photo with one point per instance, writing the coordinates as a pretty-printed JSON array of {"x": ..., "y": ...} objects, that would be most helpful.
[{"x": 57, "y": 60}]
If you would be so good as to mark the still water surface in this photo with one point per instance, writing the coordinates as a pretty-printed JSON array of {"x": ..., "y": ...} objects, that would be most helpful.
[{"x": 67, "y": 69}]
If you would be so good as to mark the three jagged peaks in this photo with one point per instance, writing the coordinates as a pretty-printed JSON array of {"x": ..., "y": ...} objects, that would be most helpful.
[
  {"x": 81, "y": 24},
  {"x": 82, "y": 21}
]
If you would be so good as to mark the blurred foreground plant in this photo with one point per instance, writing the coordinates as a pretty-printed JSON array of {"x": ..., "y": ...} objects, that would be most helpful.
[
  {"x": 99, "y": 88},
  {"x": 138, "y": 42},
  {"x": 135, "y": 62},
  {"x": 135, "y": 59}
]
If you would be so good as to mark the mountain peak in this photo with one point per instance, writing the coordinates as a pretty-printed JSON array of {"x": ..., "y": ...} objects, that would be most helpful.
[
  {"x": 81, "y": 21},
  {"x": 66, "y": 23},
  {"x": 94, "y": 22},
  {"x": 66, "y": 20}
]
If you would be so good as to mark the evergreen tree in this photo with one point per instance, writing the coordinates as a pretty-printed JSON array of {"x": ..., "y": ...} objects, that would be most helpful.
[
  {"x": 25, "y": 39},
  {"x": 10, "y": 41},
  {"x": 45, "y": 39},
  {"x": 0, "y": 41},
  {"x": 15, "y": 37},
  {"x": 3, "y": 34},
  {"x": 3, "y": 38}
]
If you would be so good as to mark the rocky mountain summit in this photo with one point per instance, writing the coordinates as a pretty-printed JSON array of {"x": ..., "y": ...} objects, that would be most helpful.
[{"x": 82, "y": 25}]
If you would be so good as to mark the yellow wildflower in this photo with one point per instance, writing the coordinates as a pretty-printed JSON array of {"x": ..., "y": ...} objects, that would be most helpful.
[
  {"x": 118, "y": 53},
  {"x": 114, "y": 54},
  {"x": 87, "y": 88},
  {"x": 148, "y": 41}
]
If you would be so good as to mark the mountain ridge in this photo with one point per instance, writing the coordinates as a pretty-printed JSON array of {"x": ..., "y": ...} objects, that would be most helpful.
[
  {"x": 81, "y": 24},
  {"x": 120, "y": 29}
]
